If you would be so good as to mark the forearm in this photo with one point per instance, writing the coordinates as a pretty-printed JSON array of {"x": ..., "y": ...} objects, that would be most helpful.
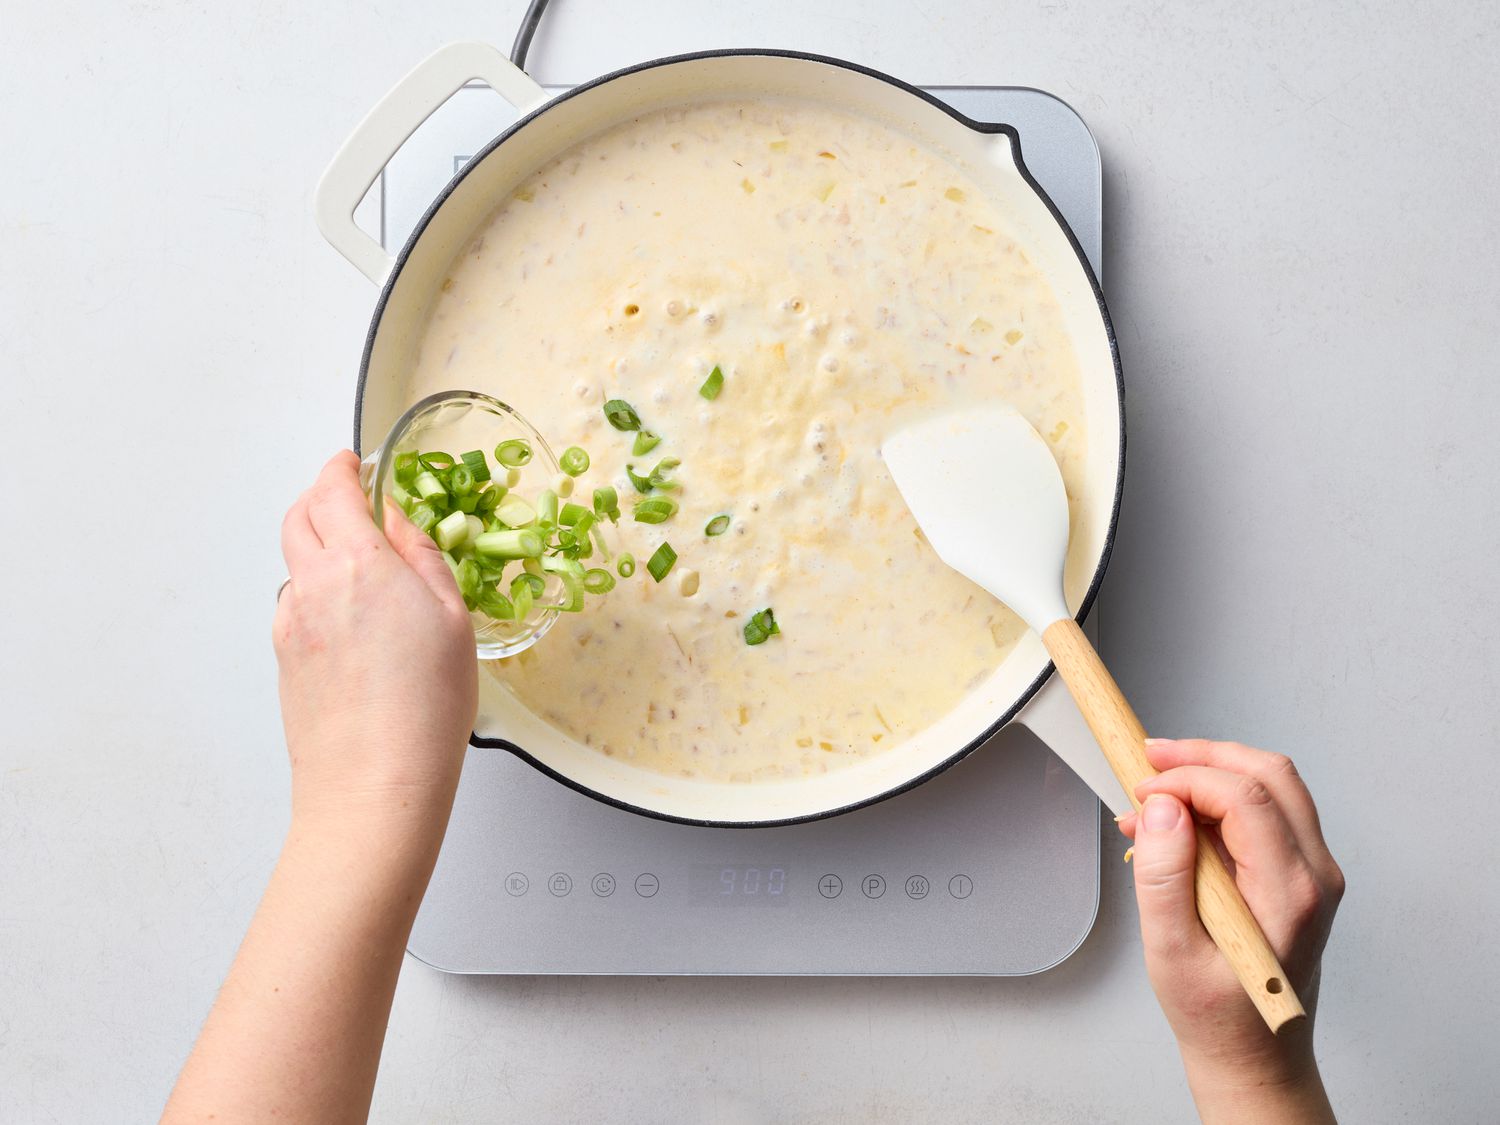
[{"x": 298, "y": 1026}]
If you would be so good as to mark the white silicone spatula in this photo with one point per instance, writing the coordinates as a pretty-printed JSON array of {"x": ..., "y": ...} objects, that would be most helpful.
[{"x": 987, "y": 493}]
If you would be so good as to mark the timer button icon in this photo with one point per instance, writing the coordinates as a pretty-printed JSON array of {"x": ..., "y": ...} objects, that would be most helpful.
[
  {"x": 560, "y": 885},
  {"x": 647, "y": 885},
  {"x": 604, "y": 884},
  {"x": 917, "y": 887},
  {"x": 516, "y": 884},
  {"x": 830, "y": 886},
  {"x": 873, "y": 886}
]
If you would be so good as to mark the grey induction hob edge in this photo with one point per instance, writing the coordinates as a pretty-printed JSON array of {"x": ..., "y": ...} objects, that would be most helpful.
[{"x": 991, "y": 868}]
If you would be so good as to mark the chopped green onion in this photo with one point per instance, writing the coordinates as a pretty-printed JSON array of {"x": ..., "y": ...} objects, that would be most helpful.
[
  {"x": 643, "y": 485},
  {"x": 761, "y": 626},
  {"x": 573, "y": 591},
  {"x": 598, "y": 537},
  {"x": 407, "y": 467},
  {"x": 660, "y": 563},
  {"x": 622, "y": 415},
  {"x": 475, "y": 462},
  {"x": 515, "y": 512},
  {"x": 523, "y": 595},
  {"x": 556, "y": 564},
  {"x": 657, "y": 479},
  {"x": 496, "y": 604},
  {"x": 607, "y": 503},
  {"x": 513, "y": 453},
  {"x": 429, "y": 487},
  {"x": 546, "y": 507},
  {"x": 467, "y": 575},
  {"x": 598, "y": 581},
  {"x": 519, "y": 543},
  {"x": 575, "y": 544},
  {"x": 533, "y": 582},
  {"x": 645, "y": 442},
  {"x": 451, "y": 530},
  {"x": 713, "y": 384},
  {"x": 658, "y": 509},
  {"x": 658, "y": 476},
  {"x": 423, "y": 516},
  {"x": 626, "y": 565},
  {"x": 717, "y": 526},
  {"x": 479, "y": 525}
]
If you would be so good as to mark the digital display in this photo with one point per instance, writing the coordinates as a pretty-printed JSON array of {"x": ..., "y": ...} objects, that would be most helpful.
[{"x": 740, "y": 884}]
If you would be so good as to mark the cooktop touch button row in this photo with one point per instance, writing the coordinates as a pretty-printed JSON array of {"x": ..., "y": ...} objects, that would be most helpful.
[
  {"x": 560, "y": 884},
  {"x": 917, "y": 887}
]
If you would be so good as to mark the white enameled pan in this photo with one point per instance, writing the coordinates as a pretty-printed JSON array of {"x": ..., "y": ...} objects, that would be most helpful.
[{"x": 1022, "y": 688}]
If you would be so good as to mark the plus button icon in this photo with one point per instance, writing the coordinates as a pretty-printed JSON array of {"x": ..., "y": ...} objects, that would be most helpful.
[{"x": 830, "y": 886}]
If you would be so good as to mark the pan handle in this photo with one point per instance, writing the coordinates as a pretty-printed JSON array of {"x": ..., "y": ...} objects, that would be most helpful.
[
  {"x": 1055, "y": 719},
  {"x": 385, "y": 129}
]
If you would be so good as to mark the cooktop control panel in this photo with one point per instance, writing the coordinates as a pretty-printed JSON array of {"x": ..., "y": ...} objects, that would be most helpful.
[{"x": 991, "y": 868}]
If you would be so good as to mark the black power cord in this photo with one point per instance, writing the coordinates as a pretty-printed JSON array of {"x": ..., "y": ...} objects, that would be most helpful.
[{"x": 527, "y": 30}]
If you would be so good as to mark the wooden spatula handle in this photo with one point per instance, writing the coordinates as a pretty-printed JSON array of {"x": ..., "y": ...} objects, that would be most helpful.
[{"x": 1223, "y": 911}]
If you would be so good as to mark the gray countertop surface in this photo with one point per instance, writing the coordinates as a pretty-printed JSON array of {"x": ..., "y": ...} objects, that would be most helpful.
[{"x": 1301, "y": 257}]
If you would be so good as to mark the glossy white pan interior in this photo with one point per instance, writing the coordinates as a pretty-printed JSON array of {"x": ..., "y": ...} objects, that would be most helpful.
[{"x": 989, "y": 159}]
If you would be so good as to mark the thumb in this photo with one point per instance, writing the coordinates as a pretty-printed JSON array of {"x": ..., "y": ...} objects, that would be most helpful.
[
  {"x": 419, "y": 552},
  {"x": 1166, "y": 846}
]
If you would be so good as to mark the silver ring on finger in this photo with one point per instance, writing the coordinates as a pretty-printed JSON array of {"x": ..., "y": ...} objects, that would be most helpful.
[{"x": 285, "y": 582}]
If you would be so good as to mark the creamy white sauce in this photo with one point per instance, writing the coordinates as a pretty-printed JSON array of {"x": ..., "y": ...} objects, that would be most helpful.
[{"x": 843, "y": 280}]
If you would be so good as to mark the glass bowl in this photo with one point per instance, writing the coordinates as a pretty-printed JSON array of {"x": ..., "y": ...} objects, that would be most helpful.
[{"x": 455, "y": 421}]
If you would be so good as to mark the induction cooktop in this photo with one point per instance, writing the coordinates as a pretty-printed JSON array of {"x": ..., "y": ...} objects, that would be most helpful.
[{"x": 991, "y": 868}]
